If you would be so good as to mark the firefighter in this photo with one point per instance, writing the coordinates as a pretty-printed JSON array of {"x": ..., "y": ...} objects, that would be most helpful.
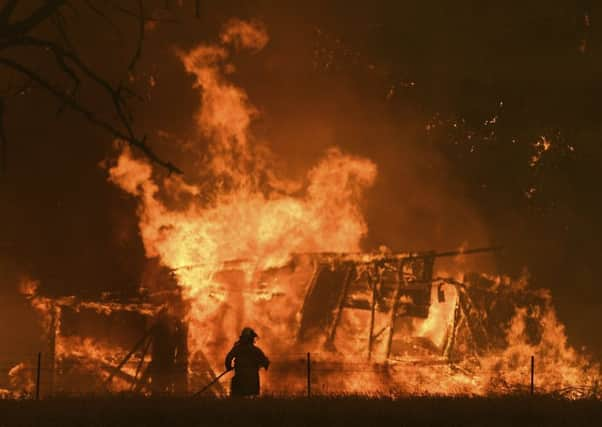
[{"x": 248, "y": 358}]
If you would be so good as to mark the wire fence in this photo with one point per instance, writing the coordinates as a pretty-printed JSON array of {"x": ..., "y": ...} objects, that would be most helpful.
[{"x": 297, "y": 374}]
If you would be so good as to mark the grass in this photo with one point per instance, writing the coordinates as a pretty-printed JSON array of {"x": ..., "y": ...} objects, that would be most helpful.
[{"x": 320, "y": 411}]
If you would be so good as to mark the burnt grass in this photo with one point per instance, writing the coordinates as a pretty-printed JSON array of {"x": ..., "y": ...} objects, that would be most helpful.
[{"x": 319, "y": 411}]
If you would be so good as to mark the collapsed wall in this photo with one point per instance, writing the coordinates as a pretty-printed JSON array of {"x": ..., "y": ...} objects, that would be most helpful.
[{"x": 374, "y": 323}]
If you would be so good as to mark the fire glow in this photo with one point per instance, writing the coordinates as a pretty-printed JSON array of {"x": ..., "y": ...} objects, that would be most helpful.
[{"x": 247, "y": 247}]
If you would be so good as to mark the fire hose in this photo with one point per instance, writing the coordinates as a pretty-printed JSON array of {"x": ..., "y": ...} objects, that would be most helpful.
[{"x": 216, "y": 379}]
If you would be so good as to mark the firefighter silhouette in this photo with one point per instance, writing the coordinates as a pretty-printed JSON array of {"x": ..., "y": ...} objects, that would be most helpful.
[{"x": 248, "y": 359}]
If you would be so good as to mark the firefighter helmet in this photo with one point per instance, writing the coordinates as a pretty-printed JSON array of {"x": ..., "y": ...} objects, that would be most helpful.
[{"x": 248, "y": 334}]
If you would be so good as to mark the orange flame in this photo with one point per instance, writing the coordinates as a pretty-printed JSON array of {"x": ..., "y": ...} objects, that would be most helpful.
[
  {"x": 248, "y": 217},
  {"x": 230, "y": 248},
  {"x": 257, "y": 222}
]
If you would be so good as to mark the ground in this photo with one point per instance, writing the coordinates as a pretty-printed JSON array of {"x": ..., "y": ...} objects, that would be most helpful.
[{"x": 339, "y": 411}]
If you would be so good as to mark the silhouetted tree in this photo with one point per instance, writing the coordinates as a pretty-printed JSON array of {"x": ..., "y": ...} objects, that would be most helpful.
[{"x": 37, "y": 52}]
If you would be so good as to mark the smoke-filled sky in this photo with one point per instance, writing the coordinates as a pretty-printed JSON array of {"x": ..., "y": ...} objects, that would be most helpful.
[{"x": 483, "y": 122}]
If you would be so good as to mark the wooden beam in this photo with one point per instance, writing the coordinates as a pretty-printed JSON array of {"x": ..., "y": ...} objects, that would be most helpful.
[
  {"x": 373, "y": 283},
  {"x": 127, "y": 357},
  {"x": 340, "y": 306},
  {"x": 395, "y": 305},
  {"x": 141, "y": 361}
]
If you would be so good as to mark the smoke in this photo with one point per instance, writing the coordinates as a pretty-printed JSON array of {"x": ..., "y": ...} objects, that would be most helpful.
[{"x": 243, "y": 34}]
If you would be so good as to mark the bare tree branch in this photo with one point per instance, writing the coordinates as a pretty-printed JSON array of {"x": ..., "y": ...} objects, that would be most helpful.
[
  {"x": 37, "y": 17},
  {"x": 104, "y": 16},
  {"x": 59, "y": 23},
  {"x": 62, "y": 56},
  {"x": 132, "y": 14},
  {"x": 15, "y": 35},
  {"x": 71, "y": 102},
  {"x": 7, "y": 10},
  {"x": 141, "y": 23}
]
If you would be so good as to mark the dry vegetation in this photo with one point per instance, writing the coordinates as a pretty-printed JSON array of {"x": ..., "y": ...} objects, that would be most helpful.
[{"x": 339, "y": 411}]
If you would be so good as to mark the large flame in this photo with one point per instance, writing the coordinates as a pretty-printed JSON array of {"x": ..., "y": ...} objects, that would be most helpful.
[
  {"x": 230, "y": 240},
  {"x": 249, "y": 213}
]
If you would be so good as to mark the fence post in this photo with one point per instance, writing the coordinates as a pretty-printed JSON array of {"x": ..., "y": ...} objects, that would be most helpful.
[
  {"x": 38, "y": 376},
  {"x": 532, "y": 375},
  {"x": 308, "y": 375}
]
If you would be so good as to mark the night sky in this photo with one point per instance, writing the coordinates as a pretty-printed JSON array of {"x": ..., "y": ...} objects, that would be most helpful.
[{"x": 450, "y": 99}]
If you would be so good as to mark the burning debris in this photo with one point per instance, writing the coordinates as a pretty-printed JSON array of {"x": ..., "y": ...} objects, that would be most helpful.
[
  {"x": 386, "y": 318},
  {"x": 90, "y": 343}
]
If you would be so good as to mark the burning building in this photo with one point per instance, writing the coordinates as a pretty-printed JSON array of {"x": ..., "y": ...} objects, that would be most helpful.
[
  {"x": 383, "y": 319},
  {"x": 244, "y": 245}
]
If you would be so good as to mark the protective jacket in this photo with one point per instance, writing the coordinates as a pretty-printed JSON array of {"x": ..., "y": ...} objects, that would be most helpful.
[{"x": 248, "y": 358}]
